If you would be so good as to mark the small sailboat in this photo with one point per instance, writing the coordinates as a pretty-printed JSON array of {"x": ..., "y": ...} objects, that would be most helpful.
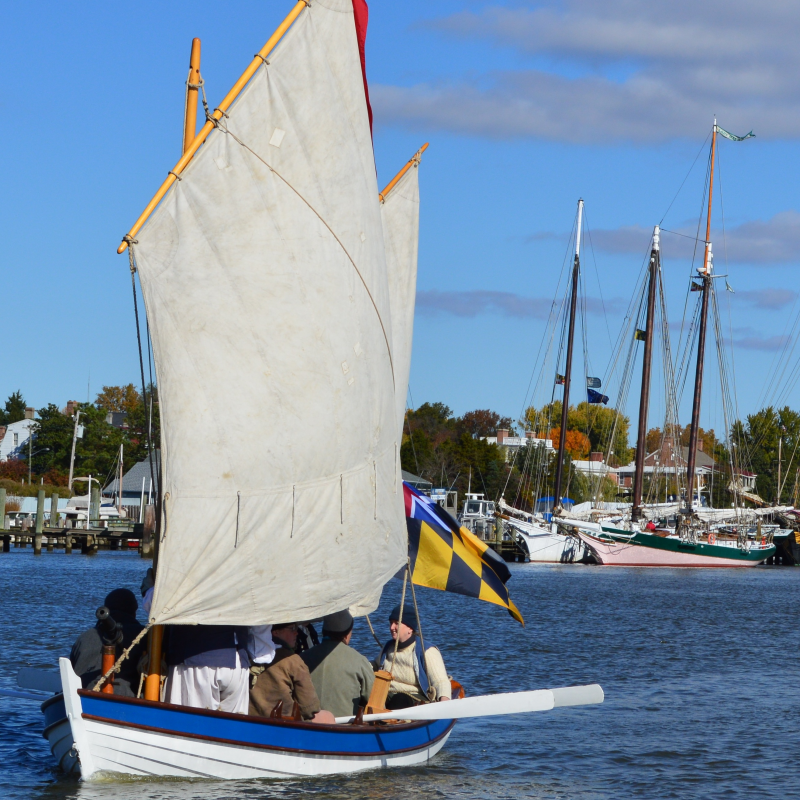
[
  {"x": 279, "y": 290},
  {"x": 693, "y": 544}
]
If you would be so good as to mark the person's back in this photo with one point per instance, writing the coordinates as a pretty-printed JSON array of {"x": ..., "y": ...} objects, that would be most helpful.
[
  {"x": 342, "y": 677},
  {"x": 86, "y": 655},
  {"x": 284, "y": 679}
]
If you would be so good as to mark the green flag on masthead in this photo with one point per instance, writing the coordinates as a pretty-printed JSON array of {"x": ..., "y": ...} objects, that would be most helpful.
[{"x": 733, "y": 138}]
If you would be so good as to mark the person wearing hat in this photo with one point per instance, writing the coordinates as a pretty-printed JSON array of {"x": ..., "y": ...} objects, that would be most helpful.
[
  {"x": 285, "y": 679},
  {"x": 87, "y": 652},
  {"x": 342, "y": 677},
  {"x": 415, "y": 678}
]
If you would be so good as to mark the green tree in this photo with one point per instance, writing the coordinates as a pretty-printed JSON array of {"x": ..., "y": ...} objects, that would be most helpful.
[
  {"x": 14, "y": 409},
  {"x": 756, "y": 441}
]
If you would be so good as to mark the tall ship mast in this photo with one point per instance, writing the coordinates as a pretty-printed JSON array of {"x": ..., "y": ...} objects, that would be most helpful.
[
  {"x": 705, "y": 287},
  {"x": 573, "y": 305},
  {"x": 647, "y": 362}
]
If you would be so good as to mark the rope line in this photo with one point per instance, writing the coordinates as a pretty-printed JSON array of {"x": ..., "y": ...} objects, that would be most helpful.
[
  {"x": 319, "y": 216},
  {"x": 125, "y": 654}
]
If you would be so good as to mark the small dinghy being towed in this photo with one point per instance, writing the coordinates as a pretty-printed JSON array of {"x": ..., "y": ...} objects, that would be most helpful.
[{"x": 279, "y": 290}]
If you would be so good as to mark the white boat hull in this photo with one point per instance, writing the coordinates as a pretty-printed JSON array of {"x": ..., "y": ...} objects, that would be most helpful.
[
  {"x": 97, "y": 746},
  {"x": 546, "y": 547}
]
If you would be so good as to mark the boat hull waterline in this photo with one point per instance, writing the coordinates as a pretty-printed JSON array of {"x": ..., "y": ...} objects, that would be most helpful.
[
  {"x": 622, "y": 549},
  {"x": 546, "y": 547},
  {"x": 97, "y": 734}
]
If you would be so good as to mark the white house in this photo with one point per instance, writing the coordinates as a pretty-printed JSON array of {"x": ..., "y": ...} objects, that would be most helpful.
[
  {"x": 15, "y": 439},
  {"x": 511, "y": 444}
]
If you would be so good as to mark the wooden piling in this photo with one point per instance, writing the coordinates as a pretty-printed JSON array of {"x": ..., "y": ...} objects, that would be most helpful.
[
  {"x": 94, "y": 507},
  {"x": 6, "y": 542},
  {"x": 68, "y": 544},
  {"x": 54, "y": 510},
  {"x": 3, "y": 520},
  {"x": 40, "y": 512},
  {"x": 149, "y": 530}
]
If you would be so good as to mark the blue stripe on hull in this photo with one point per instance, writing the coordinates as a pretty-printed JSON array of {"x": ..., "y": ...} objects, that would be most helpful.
[{"x": 284, "y": 735}]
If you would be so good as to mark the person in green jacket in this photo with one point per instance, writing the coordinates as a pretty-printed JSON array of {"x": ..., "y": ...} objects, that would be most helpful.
[{"x": 342, "y": 677}]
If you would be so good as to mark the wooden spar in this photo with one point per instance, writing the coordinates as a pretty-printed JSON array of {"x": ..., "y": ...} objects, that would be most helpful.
[
  {"x": 647, "y": 362},
  {"x": 562, "y": 434},
  {"x": 414, "y": 160},
  {"x": 257, "y": 61},
  {"x": 701, "y": 339},
  {"x": 192, "y": 90}
]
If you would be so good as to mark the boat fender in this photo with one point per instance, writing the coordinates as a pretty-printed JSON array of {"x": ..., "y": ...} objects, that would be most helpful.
[{"x": 712, "y": 538}]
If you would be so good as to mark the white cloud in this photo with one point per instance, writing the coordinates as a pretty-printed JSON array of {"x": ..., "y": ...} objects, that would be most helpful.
[
  {"x": 772, "y": 241},
  {"x": 617, "y": 71},
  {"x": 768, "y": 299}
]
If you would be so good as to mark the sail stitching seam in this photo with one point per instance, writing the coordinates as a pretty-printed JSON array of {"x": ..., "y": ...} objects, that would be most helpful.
[{"x": 331, "y": 231}]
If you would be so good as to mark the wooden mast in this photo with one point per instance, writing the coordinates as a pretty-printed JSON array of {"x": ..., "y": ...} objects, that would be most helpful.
[
  {"x": 192, "y": 89},
  {"x": 705, "y": 275},
  {"x": 647, "y": 361},
  {"x": 562, "y": 434},
  {"x": 152, "y": 684}
]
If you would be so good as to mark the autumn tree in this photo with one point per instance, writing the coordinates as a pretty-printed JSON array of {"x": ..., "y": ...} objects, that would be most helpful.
[
  {"x": 118, "y": 398},
  {"x": 576, "y": 444}
]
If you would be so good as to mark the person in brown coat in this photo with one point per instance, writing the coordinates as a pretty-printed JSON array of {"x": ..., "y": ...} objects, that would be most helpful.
[{"x": 286, "y": 678}]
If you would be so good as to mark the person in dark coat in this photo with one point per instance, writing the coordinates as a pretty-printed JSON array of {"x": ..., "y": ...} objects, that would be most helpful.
[{"x": 87, "y": 652}]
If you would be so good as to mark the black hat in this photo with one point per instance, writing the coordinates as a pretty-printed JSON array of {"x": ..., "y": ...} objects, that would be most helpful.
[
  {"x": 407, "y": 619},
  {"x": 122, "y": 604},
  {"x": 339, "y": 623}
]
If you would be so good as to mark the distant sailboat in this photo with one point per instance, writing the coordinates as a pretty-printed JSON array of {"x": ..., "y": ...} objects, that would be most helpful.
[{"x": 639, "y": 545}]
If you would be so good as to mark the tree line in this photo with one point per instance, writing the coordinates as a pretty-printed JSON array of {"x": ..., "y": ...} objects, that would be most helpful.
[{"x": 451, "y": 452}]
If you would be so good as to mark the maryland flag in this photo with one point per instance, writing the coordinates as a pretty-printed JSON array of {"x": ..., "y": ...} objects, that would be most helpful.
[{"x": 446, "y": 556}]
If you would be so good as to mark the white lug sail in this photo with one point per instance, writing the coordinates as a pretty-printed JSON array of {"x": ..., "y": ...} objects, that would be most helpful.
[
  {"x": 264, "y": 276},
  {"x": 400, "y": 213}
]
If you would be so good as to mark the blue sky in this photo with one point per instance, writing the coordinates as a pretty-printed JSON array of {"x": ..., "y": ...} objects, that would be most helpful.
[{"x": 527, "y": 106}]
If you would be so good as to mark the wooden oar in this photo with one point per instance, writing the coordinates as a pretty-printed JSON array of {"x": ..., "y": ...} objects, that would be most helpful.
[
  {"x": 39, "y": 679},
  {"x": 578, "y": 695},
  {"x": 490, "y": 705},
  {"x": 487, "y": 705}
]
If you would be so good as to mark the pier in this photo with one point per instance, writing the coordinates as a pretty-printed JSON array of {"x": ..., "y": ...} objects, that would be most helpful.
[{"x": 116, "y": 535}]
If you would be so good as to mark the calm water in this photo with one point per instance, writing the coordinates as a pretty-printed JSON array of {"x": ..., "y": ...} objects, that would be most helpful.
[{"x": 700, "y": 670}]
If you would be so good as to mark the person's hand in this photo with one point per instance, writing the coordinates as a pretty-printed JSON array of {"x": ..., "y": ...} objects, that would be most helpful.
[{"x": 443, "y": 698}]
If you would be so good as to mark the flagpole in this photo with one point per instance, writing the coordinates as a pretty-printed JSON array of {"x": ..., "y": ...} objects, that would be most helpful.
[{"x": 562, "y": 434}]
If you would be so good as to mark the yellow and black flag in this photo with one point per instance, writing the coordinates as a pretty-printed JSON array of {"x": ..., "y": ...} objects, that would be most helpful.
[{"x": 447, "y": 556}]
